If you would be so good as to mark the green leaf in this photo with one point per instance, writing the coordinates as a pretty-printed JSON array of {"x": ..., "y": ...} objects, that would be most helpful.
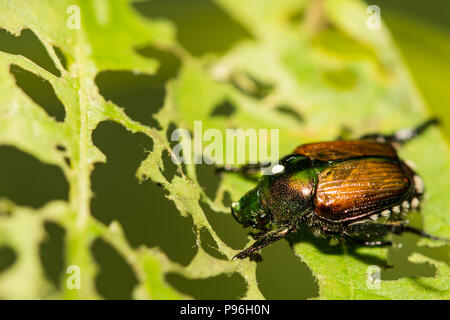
[
  {"x": 26, "y": 126},
  {"x": 426, "y": 50},
  {"x": 326, "y": 68}
]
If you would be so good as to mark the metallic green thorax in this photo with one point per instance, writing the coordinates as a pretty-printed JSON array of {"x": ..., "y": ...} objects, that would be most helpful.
[{"x": 285, "y": 194}]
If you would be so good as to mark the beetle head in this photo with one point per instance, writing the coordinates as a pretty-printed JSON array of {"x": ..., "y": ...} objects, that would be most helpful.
[
  {"x": 286, "y": 194},
  {"x": 248, "y": 211}
]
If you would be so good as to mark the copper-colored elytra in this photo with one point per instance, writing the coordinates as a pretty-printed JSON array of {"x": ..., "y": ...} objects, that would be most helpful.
[
  {"x": 347, "y": 187},
  {"x": 345, "y": 149}
]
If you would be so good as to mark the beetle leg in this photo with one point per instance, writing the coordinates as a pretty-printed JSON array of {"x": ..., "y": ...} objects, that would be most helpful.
[
  {"x": 399, "y": 229},
  {"x": 402, "y": 136},
  {"x": 366, "y": 231},
  {"x": 257, "y": 235},
  {"x": 264, "y": 241},
  {"x": 248, "y": 169},
  {"x": 344, "y": 134},
  {"x": 371, "y": 243},
  {"x": 378, "y": 230}
]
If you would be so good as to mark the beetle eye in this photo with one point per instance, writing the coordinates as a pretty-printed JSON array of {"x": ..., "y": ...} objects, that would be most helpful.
[{"x": 262, "y": 219}]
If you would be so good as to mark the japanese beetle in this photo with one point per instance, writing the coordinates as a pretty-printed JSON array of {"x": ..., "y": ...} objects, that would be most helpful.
[{"x": 358, "y": 190}]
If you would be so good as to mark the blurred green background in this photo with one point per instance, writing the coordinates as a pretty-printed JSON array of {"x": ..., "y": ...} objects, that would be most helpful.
[{"x": 422, "y": 32}]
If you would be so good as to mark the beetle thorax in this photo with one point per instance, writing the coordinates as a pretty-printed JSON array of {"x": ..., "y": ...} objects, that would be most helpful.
[{"x": 288, "y": 195}]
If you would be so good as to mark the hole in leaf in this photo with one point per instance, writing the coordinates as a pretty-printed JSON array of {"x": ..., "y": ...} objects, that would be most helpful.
[
  {"x": 202, "y": 26},
  {"x": 116, "y": 279},
  {"x": 209, "y": 245},
  {"x": 7, "y": 258},
  {"x": 231, "y": 232},
  {"x": 52, "y": 252},
  {"x": 140, "y": 95},
  {"x": 297, "y": 16},
  {"x": 40, "y": 91},
  {"x": 225, "y": 108},
  {"x": 402, "y": 267},
  {"x": 143, "y": 210},
  {"x": 171, "y": 128},
  {"x": 282, "y": 275},
  {"x": 170, "y": 168},
  {"x": 29, "y": 182},
  {"x": 398, "y": 257},
  {"x": 339, "y": 44},
  {"x": 208, "y": 179},
  {"x": 222, "y": 287},
  {"x": 227, "y": 201},
  {"x": 438, "y": 253},
  {"x": 27, "y": 45},
  {"x": 61, "y": 148},
  {"x": 61, "y": 56},
  {"x": 291, "y": 112},
  {"x": 251, "y": 86},
  {"x": 169, "y": 64},
  {"x": 344, "y": 79},
  {"x": 67, "y": 161}
]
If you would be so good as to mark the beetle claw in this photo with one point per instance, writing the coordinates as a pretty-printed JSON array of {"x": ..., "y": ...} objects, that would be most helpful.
[{"x": 240, "y": 255}]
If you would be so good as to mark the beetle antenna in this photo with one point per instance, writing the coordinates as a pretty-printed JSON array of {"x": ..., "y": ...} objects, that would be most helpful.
[
  {"x": 404, "y": 135},
  {"x": 247, "y": 170},
  {"x": 402, "y": 228}
]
